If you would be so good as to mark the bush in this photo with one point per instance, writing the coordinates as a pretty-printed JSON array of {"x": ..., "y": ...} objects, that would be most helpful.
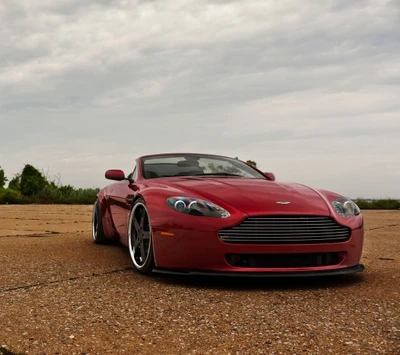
[
  {"x": 12, "y": 197},
  {"x": 81, "y": 196},
  {"x": 49, "y": 194},
  {"x": 33, "y": 186},
  {"x": 383, "y": 204},
  {"x": 66, "y": 195}
]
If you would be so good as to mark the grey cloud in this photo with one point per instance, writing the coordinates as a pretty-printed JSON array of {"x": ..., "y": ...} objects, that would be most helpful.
[
  {"x": 76, "y": 7},
  {"x": 168, "y": 75}
]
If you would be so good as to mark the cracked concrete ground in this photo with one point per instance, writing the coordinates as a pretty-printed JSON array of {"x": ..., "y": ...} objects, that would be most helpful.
[{"x": 62, "y": 294}]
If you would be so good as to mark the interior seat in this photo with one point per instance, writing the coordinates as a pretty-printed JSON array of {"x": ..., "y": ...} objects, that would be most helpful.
[{"x": 150, "y": 174}]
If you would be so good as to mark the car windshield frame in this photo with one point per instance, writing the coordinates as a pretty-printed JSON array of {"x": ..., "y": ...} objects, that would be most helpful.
[{"x": 196, "y": 165}]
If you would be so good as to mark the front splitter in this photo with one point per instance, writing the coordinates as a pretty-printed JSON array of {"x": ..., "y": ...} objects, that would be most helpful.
[{"x": 344, "y": 271}]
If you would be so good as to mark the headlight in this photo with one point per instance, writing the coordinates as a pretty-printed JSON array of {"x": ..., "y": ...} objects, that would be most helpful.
[
  {"x": 196, "y": 207},
  {"x": 346, "y": 207}
]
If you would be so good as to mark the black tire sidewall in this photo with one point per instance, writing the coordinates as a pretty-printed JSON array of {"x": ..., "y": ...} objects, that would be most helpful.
[{"x": 100, "y": 237}]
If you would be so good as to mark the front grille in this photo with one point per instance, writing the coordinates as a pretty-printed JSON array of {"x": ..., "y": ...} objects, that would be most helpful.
[
  {"x": 283, "y": 260},
  {"x": 286, "y": 230}
]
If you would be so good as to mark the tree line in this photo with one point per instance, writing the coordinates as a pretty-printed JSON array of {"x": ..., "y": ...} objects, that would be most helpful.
[
  {"x": 34, "y": 186},
  {"x": 378, "y": 204}
]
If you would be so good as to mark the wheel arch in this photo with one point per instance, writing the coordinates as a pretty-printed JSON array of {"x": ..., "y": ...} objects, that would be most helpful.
[
  {"x": 137, "y": 197},
  {"x": 105, "y": 215}
]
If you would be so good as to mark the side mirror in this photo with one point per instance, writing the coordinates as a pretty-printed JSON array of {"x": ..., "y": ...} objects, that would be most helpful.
[
  {"x": 115, "y": 174},
  {"x": 270, "y": 176}
]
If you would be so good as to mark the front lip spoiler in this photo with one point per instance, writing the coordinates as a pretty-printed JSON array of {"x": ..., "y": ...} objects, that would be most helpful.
[{"x": 345, "y": 271}]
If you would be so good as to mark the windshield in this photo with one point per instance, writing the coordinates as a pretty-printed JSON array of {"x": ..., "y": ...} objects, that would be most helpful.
[{"x": 196, "y": 165}]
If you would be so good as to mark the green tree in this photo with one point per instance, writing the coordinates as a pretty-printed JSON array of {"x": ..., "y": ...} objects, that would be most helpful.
[
  {"x": 15, "y": 183},
  {"x": 252, "y": 163},
  {"x": 32, "y": 181},
  {"x": 3, "y": 178},
  {"x": 249, "y": 162},
  {"x": 228, "y": 169}
]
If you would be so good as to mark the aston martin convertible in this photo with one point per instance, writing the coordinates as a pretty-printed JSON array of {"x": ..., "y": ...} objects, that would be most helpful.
[{"x": 202, "y": 214}]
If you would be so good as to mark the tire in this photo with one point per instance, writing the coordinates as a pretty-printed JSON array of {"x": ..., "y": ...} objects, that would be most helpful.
[
  {"x": 140, "y": 238},
  {"x": 97, "y": 225}
]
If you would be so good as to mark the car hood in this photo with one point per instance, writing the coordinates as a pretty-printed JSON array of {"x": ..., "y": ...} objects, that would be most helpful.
[{"x": 255, "y": 196}]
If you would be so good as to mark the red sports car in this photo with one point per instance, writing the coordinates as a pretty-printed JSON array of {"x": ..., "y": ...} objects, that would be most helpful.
[{"x": 206, "y": 214}]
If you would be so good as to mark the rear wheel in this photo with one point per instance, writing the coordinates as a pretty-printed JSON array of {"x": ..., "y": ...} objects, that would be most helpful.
[
  {"x": 140, "y": 238},
  {"x": 97, "y": 225}
]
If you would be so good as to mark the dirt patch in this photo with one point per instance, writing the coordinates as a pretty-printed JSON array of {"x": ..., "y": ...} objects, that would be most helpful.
[
  {"x": 62, "y": 294},
  {"x": 26, "y": 220}
]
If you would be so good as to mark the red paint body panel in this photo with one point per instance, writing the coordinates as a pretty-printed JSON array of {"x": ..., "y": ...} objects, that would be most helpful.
[{"x": 195, "y": 244}]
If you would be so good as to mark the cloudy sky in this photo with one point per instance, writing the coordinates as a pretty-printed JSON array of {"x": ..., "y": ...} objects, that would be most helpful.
[{"x": 310, "y": 90}]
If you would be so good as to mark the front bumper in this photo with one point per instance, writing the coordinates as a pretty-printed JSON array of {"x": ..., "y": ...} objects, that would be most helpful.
[{"x": 191, "y": 245}]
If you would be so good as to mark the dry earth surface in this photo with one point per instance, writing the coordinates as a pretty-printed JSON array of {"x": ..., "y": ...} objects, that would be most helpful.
[{"x": 62, "y": 294}]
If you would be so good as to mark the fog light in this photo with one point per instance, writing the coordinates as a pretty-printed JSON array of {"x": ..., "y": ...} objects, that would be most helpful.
[{"x": 233, "y": 259}]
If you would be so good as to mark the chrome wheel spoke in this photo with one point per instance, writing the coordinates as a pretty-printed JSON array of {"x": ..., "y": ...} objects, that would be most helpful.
[
  {"x": 136, "y": 243},
  {"x": 142, "y": 218},
  {"x": 146, "y": 235},
  {"x": 142, "y": 251},
  {"x": 136, "y": 226}
]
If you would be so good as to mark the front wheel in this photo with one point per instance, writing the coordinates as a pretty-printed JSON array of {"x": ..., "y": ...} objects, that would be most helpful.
[{"x": 140, "y": 238}]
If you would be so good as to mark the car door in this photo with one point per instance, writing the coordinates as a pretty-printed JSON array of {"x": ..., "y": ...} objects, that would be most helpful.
[{"x": 120, "y": 200}]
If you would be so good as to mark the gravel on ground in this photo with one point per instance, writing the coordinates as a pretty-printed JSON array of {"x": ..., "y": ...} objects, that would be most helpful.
[{"x": 62, "y": 294}]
